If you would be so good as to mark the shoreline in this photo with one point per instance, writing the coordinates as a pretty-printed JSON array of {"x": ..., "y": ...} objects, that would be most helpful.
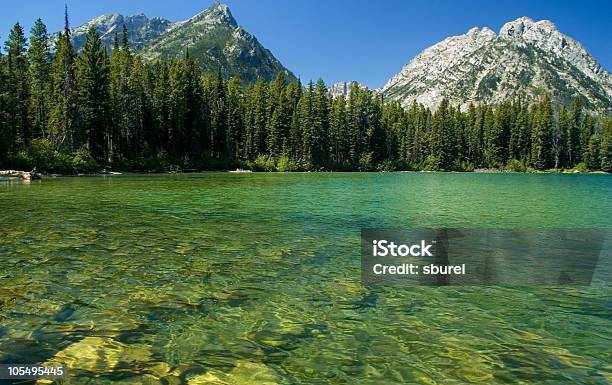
[
  {"x": 8, "y": 175},
  {"x": 22, "y": 175}
]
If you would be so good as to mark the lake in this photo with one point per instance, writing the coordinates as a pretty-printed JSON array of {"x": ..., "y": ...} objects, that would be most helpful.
[{"x": 221, "y": 278}]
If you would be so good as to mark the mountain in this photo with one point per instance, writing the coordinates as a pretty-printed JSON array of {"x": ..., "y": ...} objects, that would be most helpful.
[
  {"x": 342, "y": 88},
  {"x": 141, "y": 29},
  {"x": 524, "y": 60},
  {"x": 212, "y": 37}
]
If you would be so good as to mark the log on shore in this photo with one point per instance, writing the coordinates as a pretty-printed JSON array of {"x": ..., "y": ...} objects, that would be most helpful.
[{"x": 25, "y": 175}]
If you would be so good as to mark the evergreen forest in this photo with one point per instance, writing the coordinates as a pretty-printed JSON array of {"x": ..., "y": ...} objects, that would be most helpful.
[{"x": 66, "y": 112}]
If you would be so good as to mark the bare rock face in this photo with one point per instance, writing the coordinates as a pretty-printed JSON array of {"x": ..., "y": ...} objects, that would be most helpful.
[
  {"x": 141, "y": 29},
  {"x": 342, "y": 88},
  {"x": 524, "y": 60}
]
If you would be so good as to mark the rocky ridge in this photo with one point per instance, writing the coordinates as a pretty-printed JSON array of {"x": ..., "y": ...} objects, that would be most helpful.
[{"x": 524, "y": 60}]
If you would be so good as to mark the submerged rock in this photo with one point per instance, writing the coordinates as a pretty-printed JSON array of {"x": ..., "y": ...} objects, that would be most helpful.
[
  {"x": 93, "y": 354},
  {"x": 101, "y": 355},
  {"x": 244, "y": 373}
]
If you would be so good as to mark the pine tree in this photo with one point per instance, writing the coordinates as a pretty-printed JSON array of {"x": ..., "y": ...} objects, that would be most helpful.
[
  {"x": 520, "y": 137},
  {"x": 394, "y": 128},
  {"x": 123, "y": 98},
  {"x": 5, "y": 137},
  {"x": 421, "y": 120},
  {"x": 139, "y": 104},
  {"x": 587, "y": 130},
  {"x": 606, "y": 145},
  {"x": 199, "y": 117},
  {"x": 40, "y": 62},
  {"x": 438, "y": 145},
  {"x": 279, "y": 119},
  {"x": 376, "y": 135},
  {"x": 295, "y": 131},
  {"x": 216, "y": 97},
  {"x": 117, "y": 90},
  {"x": 124, "y": 39},
  {"x": 450, "y": 155},
  {"x": 306, "y": 123},
  {"x": 401, "y": 134},
  {"x": 460, "y": 137},
  {"x": 592, "y": 152},
  {"x": 558, "y": 146},
  {"x": 259, "y": 116},
  {"x": 93, "y": 78},
  {"x": 541, "y": 156},
  {"x": 337, "y": 132},
  {"x": 177, "y": 84},
  {"x": 353, "y": 134},
  {"x": 235, "y": 124},
  {"x": 255, "y": 120},
  {"x": 160, "y": 101},
  {"x": 292, "y": 94},
  {"x": 19, "y": 97},
  {"x": 122, "y": 138},
  {"x": 63, "y": 92},
  {"x": 320, "y": 125},
  {"x": 482, "y": 123},
  {"x": 249, "y": 150},
  {"x": 497, "y": 137},
  {"x": 564, "y": 125},
  {"x": 574, "y": 151},
  {"x": 188, "y": 133}
]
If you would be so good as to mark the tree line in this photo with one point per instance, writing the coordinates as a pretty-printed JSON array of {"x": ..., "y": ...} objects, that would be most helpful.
[{"x": 65, "y": 111}]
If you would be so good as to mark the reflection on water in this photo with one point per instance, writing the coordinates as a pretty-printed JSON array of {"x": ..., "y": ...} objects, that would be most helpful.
[{"x": 255, "y": 279}]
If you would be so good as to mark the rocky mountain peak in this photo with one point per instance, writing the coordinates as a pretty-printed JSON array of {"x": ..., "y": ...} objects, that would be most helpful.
[
  {"x": 516, "y": 28},
  {"x": 526, "y": 58},
  {"x": 213, "y": 37},
  {"x": 526, "y": 28},
  {"x": 215, "y": 40},
  {"x": 544, "y": 34},
  {"x": 485, "y": 32},
  {"x": 218, "y": 13}
]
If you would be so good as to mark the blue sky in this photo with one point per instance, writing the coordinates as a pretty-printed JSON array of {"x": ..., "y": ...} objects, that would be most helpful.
[{"x": 368, "y": 41}]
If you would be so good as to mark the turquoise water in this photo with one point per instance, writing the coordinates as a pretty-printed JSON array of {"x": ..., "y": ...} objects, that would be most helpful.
[{"x": 223, "y": 278}]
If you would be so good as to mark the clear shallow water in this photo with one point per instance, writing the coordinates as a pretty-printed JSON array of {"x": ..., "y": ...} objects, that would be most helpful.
[{"x": 254, "y": 279}]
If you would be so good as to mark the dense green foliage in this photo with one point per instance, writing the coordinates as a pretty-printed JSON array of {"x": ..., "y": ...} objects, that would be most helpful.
[{"x": 75, "y": 112}]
